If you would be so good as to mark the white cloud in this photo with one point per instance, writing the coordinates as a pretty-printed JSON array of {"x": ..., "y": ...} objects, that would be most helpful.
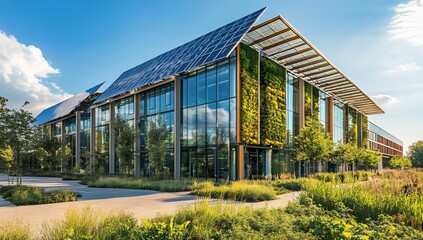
[
  {"x": 407, "y": 23},
  {"x": 384, "y": 100},
  {"x": 405, "y": 68},
  {"x": 22, "y": 69}
]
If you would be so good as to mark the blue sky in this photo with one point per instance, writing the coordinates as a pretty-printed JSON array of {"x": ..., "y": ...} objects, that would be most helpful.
[{"x": 52, "y": 49}]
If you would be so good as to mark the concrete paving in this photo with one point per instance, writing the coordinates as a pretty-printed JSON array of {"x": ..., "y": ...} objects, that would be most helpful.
[{"x": 140, "y": 203}]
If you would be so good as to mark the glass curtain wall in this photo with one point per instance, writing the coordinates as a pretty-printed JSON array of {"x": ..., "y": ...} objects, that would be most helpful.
[
  {"x": 292, "y": 109},
  {"x": 154, "y": 104},
  {"x": 70, "y": 144},
  {"x": 85, "y": 139},
  {"x": 323, "y": 110},
  {"x": 102, "y": 128},
  {"x": 208, "y": 121},
  {"x": 124, "y": 109},
  {"x": 338, "y": 121}
]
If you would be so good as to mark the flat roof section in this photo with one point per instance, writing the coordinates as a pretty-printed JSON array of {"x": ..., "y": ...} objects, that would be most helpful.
[
  {"x": 277, "y": 39},
  {"x": 208, "y": 48}
]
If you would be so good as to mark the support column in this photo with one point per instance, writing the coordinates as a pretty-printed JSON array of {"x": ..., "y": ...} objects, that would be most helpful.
[
  {"x": 63, "y": 137},
  {"x": 301, "y": 103},
  {"x": 269, "y": 164},
  {"x": 92, "y": 140},
  {"x": 240, "y": 165},
  {"x": 111, "y": 139},
  {"x": 177, "y": 129},
  {"x": 78, "y": 139},
  {"x": 137, "y": 146}
]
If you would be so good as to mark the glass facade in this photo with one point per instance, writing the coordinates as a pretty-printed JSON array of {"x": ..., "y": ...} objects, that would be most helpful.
[
  {"x": 292, "y": 110},
  {"x": 157, "y": 103},
  {"x": 102, "y": 128},
  {"x": 124, "y": 109},
  {"x": 323, "y": 110},
  {"x": 338, "y": 121},
  {"x": 208, "y": 121}
]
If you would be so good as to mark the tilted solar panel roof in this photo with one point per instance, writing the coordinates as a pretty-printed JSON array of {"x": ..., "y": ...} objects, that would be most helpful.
[
  {"x": 210, "y": 47},
  {"x": 64, "y": 108}
]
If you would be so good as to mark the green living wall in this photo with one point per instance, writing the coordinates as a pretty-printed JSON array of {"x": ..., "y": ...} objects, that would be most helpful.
[
  {"x": 272, "y": 103},
  {"x": 249, "y": 95},
  {"x": 365, "y": 124},
  {"x": 311, "y": 101},
  {"x": 353, "y": 130}
]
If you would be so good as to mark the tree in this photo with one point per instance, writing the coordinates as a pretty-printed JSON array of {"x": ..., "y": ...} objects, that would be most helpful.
[
  {"x": 124, "y": 138},
  {"x": 157, "y": 135},
  {"x": 47, "y": 150},
  {"x": 369, "y": 158},
  {"x": 345, "y": 153},
  {"x": 313, "y": 143},
  {"x": 415, "y": 153},
  {"x": 16, "y": 133},
  {"x": 400, "y": 162}
]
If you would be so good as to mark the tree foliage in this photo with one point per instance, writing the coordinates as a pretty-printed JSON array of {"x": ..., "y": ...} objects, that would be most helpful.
[
  {"x": 157, "y": 135},
  {"x": 415, "y": 153},
  {"x": 313, "y": 143},
  {"x": 400, "y": 162},
  {"x": 16, "y": 133},
  {"x": 124, "y": 139}
]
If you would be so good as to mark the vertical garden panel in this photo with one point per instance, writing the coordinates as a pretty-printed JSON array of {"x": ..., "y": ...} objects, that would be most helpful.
[
  {"x": 365, "y": 124},
  {"x": 272, "y": 103},
  {"x": 249, "y": 95}
]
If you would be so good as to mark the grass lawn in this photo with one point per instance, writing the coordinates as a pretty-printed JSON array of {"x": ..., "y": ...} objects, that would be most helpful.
[{"x": 143, "y": 183}]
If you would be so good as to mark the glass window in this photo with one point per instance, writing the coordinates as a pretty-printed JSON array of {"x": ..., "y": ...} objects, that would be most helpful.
[
  {"x": 211, "y": 124},
  {"x": 223, "y": 81},
  {"x": 211, "y": 84},
  {"x": 201, "y": 125},
  {"x": 201, "y": 87},
  {"x": 232, "y": 72},
  {"x": 192, "y": 91}
]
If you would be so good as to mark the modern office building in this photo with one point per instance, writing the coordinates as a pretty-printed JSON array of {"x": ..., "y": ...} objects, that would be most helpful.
[
  {"x": 234, "y": 100},
  {"x": 384, "y": 142},
  {"x": 69, "y": 122}
]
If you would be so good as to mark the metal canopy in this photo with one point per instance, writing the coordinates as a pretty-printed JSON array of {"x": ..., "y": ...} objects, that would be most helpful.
[{"x": 281, "y": 42}]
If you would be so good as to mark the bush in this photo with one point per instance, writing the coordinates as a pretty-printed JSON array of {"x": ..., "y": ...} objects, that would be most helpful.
[
  {"x": 26, "y": 195},
  {"x": 144, "y": 183},
  {"x": 344, "y": 177},
  {"x": 240, "y": 191},
  {"x": 291, "y": 185}
]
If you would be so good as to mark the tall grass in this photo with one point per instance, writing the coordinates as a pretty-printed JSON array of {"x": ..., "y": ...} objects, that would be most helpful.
[
  {"x": 144, "y": 183},
  {"x": 16, "y": 230},
  {"x": 371, "y": 199},
  {"x": 241, "y": 191}
]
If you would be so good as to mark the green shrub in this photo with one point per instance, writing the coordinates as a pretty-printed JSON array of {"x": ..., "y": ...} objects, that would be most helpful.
[
  {"x": 291, "y": 184},
  {"x": 27, "y": 195},
  {"x": 14, "y": 230},
  {"x": 144, "y": 183},
  {"x": 239, "y": 190}
]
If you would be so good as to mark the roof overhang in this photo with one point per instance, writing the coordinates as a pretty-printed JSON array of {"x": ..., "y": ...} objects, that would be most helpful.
[{"x": 281, "y": 42}]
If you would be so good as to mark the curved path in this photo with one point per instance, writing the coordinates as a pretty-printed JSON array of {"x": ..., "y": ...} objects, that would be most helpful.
[{"x": 140, "y": 203}]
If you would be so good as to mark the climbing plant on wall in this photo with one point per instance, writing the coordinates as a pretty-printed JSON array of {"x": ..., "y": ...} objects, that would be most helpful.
[
  {"x": 249, "y": 95},
  {"x": 353, "y": 130},
  {"x": 365, "y": 126},
  {"x": 272, "y": 103}
]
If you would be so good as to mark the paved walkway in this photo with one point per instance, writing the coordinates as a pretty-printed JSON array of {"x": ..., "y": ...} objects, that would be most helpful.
[{"x": 140, "y": 203}]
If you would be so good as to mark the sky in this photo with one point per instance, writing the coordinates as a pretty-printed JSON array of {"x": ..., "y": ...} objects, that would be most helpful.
[{"x": 51, "y": 50}]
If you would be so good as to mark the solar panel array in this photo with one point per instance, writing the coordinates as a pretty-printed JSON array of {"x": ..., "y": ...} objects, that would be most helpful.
[
  {"x": 210, "y": 47},
  {"x": 64, "y": 108}
]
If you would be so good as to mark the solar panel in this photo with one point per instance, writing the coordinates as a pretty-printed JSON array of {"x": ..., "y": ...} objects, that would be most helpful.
[
  {"x": 210, "y": 47},
  {"x": 64, "y": 108}
]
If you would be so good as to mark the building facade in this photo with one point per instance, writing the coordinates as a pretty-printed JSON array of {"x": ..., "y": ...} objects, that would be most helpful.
[{"x": 234, "y": 100}]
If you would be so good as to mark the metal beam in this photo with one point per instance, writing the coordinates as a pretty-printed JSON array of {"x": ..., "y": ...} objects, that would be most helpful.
[
  {"x": 287, "y": 49},
  {"x": 307, "y": 64},
  {"x": 317, "y": 73},
  {"x": 274, "y": 19},
  {"x": 286, "y": 40},
  {"x": 324, "y": 76},
  {"x": 294, "y": 53},
  {"x": 270, "y": 36},
  {"x": 313, "y": 67},
  {"x": 298, "y": 60}
]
